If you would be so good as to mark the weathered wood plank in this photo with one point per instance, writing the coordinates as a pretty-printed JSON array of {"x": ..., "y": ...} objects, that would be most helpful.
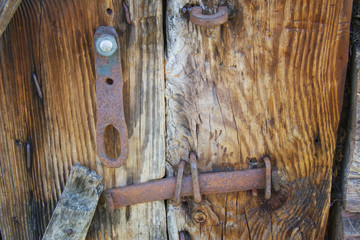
[
  {"x": 54, "y": 39},
  {"x": 7, "y": 10},
  {"x": 270, "y": 81},
  {"x": 74, "y": 212},
  {"x": 344, "y": 225},
  {"x": 351, "y": 175}
]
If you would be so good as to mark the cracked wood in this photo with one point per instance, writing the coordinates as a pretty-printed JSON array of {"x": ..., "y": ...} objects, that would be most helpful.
[{"x": 270, "y": 81}]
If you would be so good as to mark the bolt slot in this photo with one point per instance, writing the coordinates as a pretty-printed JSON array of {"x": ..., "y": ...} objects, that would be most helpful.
[{"x": 112, "y": 142}]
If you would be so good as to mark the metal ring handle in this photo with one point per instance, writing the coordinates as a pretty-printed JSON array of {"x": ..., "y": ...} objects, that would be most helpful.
[{"x": 198, "y": 18}]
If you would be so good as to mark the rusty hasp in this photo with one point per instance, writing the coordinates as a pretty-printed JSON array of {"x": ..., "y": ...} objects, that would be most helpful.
[
  {"x": 200, "y": 19},
  {"x": 109, "y": 86},
  {"x": 207, "y": 183}
]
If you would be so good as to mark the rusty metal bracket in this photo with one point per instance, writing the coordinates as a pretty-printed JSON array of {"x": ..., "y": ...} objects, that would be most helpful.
[
  {"x": 198, "y": 18},
  {"x": 109, "y": 86},
  {"x": 208, "y": 183}
]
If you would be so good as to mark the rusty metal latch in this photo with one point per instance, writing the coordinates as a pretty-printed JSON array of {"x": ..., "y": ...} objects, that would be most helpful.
[
  {"x": 194, "y": 185},
  {"x": 109, "y": 86}
]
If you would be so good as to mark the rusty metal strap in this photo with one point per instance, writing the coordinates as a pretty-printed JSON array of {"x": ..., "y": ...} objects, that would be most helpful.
[{"x": 109, "y": 86}]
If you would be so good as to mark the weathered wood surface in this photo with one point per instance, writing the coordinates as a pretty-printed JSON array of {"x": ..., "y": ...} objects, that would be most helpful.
[
  {"x": 343, "y": 225},
  {"x": 54, "y": 39},
  {"x": 7, "y": 10},
  {"x": 270, "y": 81},
  {"x": 74, "y": 212},
  {"x": 351, "y": 175}
]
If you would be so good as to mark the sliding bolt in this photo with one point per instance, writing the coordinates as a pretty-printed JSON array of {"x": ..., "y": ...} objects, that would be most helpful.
[{"x": 106, "y": 45}]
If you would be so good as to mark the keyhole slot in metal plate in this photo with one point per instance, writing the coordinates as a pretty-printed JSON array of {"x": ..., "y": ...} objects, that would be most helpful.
[{"x": 109, "y": 99}]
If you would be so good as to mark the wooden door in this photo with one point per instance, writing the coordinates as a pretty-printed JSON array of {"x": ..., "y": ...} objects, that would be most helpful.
[
  {"x": 267, "y": 82},
  {"x": 54, "y": 40}
]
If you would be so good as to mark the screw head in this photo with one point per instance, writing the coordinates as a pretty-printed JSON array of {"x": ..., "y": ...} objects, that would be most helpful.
[
  {"x": 69, "y": 231},
  {"x": 199, "y": 216},
  {"x": 106, "y": 45}
]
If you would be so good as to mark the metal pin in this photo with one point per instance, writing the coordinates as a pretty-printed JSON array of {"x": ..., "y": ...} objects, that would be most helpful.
[
  {"x": 127, "y": 13},
  {"x": 37, "y": 86},
  {"x": 28, "y": 155},
  {"x": 195, "y": 178},
  {"x": 179, "y": 179}
]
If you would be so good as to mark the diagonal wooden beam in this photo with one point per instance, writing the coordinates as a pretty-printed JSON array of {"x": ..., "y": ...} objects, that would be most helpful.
[
  {"x": 75, "y": 210},
  {"x": 7, "y": 10}
]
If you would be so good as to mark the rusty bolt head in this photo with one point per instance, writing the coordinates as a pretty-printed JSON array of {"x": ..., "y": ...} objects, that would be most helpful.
[
  {"x": 199, "y": 216},
  {"x": 106, "y": 45}
]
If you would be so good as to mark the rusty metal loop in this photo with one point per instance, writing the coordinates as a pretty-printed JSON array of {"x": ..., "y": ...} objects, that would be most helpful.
[
  {"x": 268, "y": 177},
  {"x": 179, "y": 178},
  {"x": 198, "y": 18},
  {"x": 195, "y": 178},
  {"x": 109, "y": 86}
]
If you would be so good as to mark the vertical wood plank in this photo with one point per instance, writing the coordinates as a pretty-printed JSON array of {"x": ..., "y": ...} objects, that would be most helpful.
[
  {"x": 351, "y": 176},
  {"x": 269, "y": 81},
  {"x": 54, "y": 39}
]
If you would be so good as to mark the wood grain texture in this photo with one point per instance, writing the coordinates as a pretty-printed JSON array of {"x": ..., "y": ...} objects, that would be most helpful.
[
  {"x": 270, "y": 81},
  {"x": 7, "y": 10},
  {"x": 75, "y": 210},
  {"x": 351, "y": 175},
  {"x": 54, "y": 39}
]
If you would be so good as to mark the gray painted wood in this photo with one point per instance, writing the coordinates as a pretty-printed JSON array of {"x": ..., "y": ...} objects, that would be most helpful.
[
  {"x": 351, "y": 176},
  {"x": 75, "y": 210},
  {"x": 344, "y": 225},
  {"x": 7, "y": 10}
]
